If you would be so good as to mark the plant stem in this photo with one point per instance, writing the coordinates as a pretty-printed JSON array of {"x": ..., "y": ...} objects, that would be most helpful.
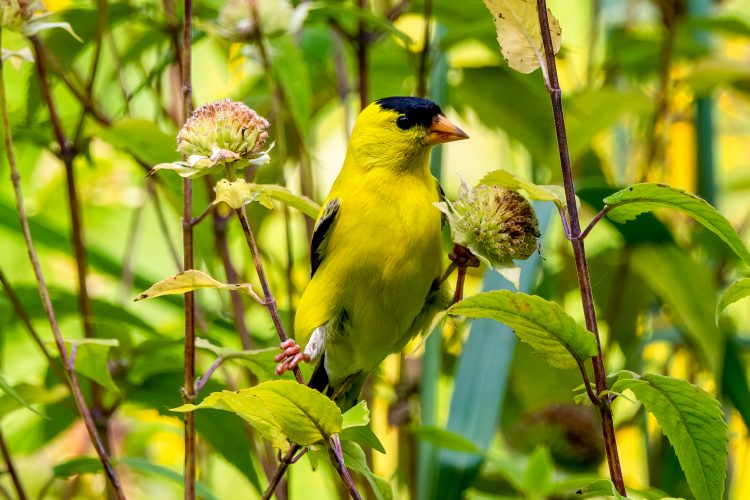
[
  {"x": 67, "y": 155},
  {"x": 363, "y": 39},
  {"x": 270, "y": 301},
  {"x": 424, "y": 55},
  {"x": 337, "y": 455},
  {"x": 604, "y": 211},
  {"x": 284, "y": 464},
  {"x": 83, "y": 410},
  {"x": 584, "y": 279},
  {"x": 188, "y": 394},
  {"x": 12, "y": 469}
]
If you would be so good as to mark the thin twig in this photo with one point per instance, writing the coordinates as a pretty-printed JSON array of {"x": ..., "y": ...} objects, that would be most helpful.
[
  {"x": 202, "y": 381},
  {"x": 337, "y": 455},
  {"x": 593, "y": 222},
  {"x": 587, "y": 384},
  {"x": 424, "y": 55},
  {"x": 197, "y": 220},
  {"x": 363, "y": 40},
  {"x": 584, "y": 279},
  {"x": 270, "y": 301},
  {"x": 187, "y": 260},
  {"x": 284, "y": 463},
  {"x": 47, "y": 303},
  {"x": 67, "y": 155},
  {"x": 11, "y": 468}
]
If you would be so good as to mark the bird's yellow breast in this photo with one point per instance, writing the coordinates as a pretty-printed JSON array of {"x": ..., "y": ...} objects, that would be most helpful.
[{"x": 381, "y": 258}]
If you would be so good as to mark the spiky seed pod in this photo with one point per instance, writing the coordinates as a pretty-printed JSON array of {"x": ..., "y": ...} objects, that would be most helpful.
[
  {"x": 224, "y": 131},
  {"x": 496, "y": 223},
  {"x": 16, "y": 12}
]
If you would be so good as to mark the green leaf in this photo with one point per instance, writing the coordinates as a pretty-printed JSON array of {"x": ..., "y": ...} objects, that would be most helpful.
[
  {"x": 188, "y": 281},
  {"x": 239, "y": 192},
  {"x": 537, "y": 479},
  {"x": 31, "y": 394},
  {"x": 630, "y": 202},
  {"x": 599, "y": 488},
  {"x": 7, "y": 389},
  {"x": 693, "y": 422},
  {"x": 503, "y": 178},
  {"x": 363, "y": 435},
  {"x": 518, "y": 33},
  {"x": 78, "y": 465},
  {"x": 91, "y": 360},
  {"x": 279, "y": 410},
  {"x": 442, "y": 438},
  {"x": 356, "y": 416},
  {"x": 736, "y": 291},
  {"x": 550, "y": 331}
]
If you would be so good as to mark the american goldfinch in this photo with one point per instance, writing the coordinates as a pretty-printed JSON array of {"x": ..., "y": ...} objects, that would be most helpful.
[{"x": 376, "y": 249}]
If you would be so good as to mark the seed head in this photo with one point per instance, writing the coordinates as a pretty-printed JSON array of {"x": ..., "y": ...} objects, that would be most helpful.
[{"x": 223, "y": 131}]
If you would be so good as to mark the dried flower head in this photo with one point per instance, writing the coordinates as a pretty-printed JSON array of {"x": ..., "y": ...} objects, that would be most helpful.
[
  {"x": 497, "y": 224},
  {"x": 225, "y": 129}
]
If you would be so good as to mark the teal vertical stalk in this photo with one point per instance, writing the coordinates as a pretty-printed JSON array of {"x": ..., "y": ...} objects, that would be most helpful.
[
  {"x": 481, "y": 382},
  {"x": 431, "y": 360},
  {"x": 704, "y": 119}
]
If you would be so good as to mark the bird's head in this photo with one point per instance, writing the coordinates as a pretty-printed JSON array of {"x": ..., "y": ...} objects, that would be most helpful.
[{"x": 398, "y": 132}]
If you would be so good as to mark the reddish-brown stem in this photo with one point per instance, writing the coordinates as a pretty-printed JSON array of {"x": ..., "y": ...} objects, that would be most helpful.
[
  {"x": 460, "y": 278},
  {"x": 363, "y": 40},
  {"x": 270, "y": 301},
  {"x": 337, "y": 456},
  {"x": 584, "y": 279},
  {"x": 80, "y": 402},
  {"x": 11, "y": 468},
  {"x": 187, "y": 260},
  {"x": 67, "y": 155},
  {"x": 593, "y": 222},
  {"x": 424, "y": 55},
  {"x": 284, "y": 463}
]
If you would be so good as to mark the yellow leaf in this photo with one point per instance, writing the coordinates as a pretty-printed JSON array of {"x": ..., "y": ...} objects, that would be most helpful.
[
  {"x": 518, "y": 33},
  {"x": 187, "y": 282}
]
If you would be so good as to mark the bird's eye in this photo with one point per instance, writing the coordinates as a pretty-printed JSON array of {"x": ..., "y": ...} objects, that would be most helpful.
[{"x": 403, "y": 122}]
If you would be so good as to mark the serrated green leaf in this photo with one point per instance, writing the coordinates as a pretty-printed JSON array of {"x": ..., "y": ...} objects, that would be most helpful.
[
  {"x": 736, "y": 291},
  {"x": 279, "y": 410},
  {"x": 442, "y": 438},
  {"x": 550, "y": 331},
  {"x": 518, "y": 33},
  {"x": 632, "y": 201},
  {"x": 693, "y": 422},
  {"x": 188, "y": 281}
]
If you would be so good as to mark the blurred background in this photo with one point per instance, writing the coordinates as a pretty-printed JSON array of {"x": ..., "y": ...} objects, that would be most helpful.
[{"x": 653, "y": 91}]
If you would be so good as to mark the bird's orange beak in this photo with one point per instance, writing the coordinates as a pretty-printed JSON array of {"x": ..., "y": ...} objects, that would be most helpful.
[{"x": 442, "y": 130}]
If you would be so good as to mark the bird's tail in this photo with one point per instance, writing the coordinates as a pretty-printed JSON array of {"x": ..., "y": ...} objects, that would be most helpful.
[{"x": 345, "y": 394}]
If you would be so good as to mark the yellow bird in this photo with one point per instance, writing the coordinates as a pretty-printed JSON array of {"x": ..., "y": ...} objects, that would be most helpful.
[{"x": 376, "y": 250}]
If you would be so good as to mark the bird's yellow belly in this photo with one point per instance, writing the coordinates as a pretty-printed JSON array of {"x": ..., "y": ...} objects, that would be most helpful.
[{"x": 378, "y": 270}]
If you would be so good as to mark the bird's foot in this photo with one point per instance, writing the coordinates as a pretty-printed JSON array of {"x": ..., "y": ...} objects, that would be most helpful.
[{"x": 290, "y": 357}]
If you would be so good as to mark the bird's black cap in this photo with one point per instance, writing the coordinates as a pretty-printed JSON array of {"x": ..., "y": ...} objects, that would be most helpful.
[{"x": 413, "y": 110}]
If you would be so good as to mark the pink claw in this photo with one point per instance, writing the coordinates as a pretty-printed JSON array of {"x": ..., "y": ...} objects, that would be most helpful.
[{"x": 290, "y": 357}]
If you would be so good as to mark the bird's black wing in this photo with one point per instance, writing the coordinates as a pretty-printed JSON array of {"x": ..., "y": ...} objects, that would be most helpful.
[{"x": 322, "y": 228}]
